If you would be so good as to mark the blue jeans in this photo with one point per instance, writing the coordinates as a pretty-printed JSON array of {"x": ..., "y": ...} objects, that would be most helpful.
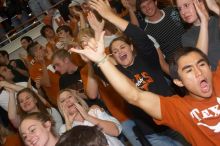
[
  {"x": 127, "y": 130},
  {"x": 39, "y": 6},
  {"x": 160, "y": 140}
]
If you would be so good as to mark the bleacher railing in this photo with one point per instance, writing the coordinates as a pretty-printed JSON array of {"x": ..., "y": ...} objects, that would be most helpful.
[{"x": 19, "y": 30}]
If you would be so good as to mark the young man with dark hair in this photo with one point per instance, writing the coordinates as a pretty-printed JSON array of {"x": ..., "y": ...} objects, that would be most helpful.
[
  {"x": 16, "y": 66},
  {"x": 83, "y": 136},
  {"x": 25, "y": 41},
  {"x": 70, "y": 72}
]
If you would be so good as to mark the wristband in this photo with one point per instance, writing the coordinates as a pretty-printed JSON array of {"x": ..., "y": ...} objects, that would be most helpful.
[{"x": 102, "y": 60}]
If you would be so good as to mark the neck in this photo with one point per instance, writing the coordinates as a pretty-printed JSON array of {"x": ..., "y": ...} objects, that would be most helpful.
[
  {"x": 72, "y": 68},
  {"x": 52, "y": 140},
  {"x": 35, "y": 109},
  {"x": 158, "y": 14}
]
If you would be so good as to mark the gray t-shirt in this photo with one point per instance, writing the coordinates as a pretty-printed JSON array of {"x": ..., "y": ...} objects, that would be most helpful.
[{"x": 189, "y": 39}]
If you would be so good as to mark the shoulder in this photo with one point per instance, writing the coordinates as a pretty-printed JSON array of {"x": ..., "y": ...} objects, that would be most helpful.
[{"x": 95, "y": 107}]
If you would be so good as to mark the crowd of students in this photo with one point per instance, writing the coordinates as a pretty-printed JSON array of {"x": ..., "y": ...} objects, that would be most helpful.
[{"x": 142, "y": 75}]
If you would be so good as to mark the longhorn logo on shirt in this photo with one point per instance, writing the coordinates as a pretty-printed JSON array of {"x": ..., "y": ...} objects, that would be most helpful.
[
  {"x": 143, "y": 80},
  {"x": 211, "y": 112}
]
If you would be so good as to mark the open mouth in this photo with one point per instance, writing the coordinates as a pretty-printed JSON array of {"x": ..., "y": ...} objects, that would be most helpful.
[
  {"x": 123, "y": 57},
  {"x": 204, "y": 86}
]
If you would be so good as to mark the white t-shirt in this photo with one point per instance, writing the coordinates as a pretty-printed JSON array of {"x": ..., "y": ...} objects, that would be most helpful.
[
  {"x": 108, "y": 40},
  {"x": 4, "y": 96},
  {"x": 112, "y": 141},
  {"x": 56, "y": 117}
]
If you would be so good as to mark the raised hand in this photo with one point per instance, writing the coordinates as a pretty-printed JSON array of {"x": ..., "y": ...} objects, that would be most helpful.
[
  {"x": 82, "y": 111},
  {"x": 102, "y": 7},
  {"x": 68, "y": 118},
  {"x": 94, "y": 23},
  {"x": 201, "y": 11},
  {"x": 94, "y": 50},
  {"x": 126, "y": 4}
]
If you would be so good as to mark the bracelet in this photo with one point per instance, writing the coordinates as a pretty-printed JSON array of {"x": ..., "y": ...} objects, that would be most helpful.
[{"x": 102, "y": 60}]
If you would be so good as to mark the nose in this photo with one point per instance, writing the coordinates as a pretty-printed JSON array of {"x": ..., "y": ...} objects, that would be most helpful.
[
  {"x": 29, "y": 138},
  {"x": 198, "y": 71}
]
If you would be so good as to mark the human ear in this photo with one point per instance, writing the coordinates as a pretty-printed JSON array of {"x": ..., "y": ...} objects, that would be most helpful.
[
  {"x": 47, "y": 125},
  {"x": 178, "y": 82}
]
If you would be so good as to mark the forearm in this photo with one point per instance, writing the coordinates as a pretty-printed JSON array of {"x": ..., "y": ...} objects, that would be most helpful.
[
  {"x": 82, "y": 21},
  {"x": 203, "y": 39},
  {"x": 22, "y": 71},
  {"x": 117, "y": 21},
  {"x": 133, "y": 18},
  {"x": 12, "y": 111},
  {"x": 15, "y": 87},
  {"x": 108, "y": 127},
  {"x": 45, "y": 80},
  {"x": 92, "y": 85}
]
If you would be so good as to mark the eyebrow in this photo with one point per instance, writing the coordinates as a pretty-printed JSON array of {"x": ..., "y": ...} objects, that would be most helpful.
[{"x": 188, "y": 66}]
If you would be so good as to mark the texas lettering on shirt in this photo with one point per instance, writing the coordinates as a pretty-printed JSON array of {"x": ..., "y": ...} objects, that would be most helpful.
[{"x": 208, "y": 117}]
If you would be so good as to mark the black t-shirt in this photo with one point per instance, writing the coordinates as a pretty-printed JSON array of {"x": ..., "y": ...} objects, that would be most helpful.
[
  {"x": 72, "y": 81},
  {"x": 17, "y": 76}
]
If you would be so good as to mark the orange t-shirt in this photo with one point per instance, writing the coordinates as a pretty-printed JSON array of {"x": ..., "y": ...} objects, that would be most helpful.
[
  {"x": 198, "y": 121},
  {"x": 114, "y": 102},
  {"x": 13, "y": 140},
  {"x": 52, "y": 91},
  {"x": 77, "y": 60}
]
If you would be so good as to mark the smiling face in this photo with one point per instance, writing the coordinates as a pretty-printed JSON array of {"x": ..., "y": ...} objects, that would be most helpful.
[
  {"x": 27, "y": 102},
  {"x": 34, "y": 132},
  {"x": 187, "y": 11},
  {"x": 195, "y": 75},
  {"x": 123, "y": 53},
  {"x": 67, "y": 100},
  {"x": 149, "y": 8}
]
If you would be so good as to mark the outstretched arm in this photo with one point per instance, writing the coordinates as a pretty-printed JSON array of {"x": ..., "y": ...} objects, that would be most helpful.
[
  {"x": 147, "y": 101},
  {"x": 12, "y": 109},
  {"x": 203, "y": 39}
]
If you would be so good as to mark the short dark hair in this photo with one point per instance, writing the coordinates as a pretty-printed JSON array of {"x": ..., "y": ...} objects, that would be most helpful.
[
  {"x": 139, "y": 2},
  {"x": 123, "y": 38},
  {"x": 173, "y": 66},
  {"x": 4, "y": 53},
  {"x": 65, "y": 28},
  {"x": 27, "y": 38},
  {"x": 31, "y": 48},
  {"x": 43, "y": 29},
  {"x": 83, "y": 136}
]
